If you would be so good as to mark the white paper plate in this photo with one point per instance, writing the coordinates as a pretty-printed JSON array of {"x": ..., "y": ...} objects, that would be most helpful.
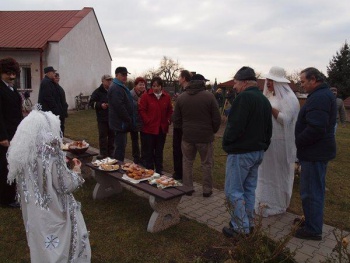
[{"x": 127, "y": 178}]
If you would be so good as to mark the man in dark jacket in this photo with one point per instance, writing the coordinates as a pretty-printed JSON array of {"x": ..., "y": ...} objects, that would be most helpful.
[
  {"x": 247, "y": 135},
  {"x": 121, "y": 111},
  {"x": 50, "y": 97},
  {"x": 63, "y": 101},
  {"x": 220, "y": 99},
  {"x": 10, "y": 117},
  {"x": 314, "y": 138},
  {"x": 184, "y": 80},
  {"x": 99, "y": 102},
  {"x": 197, "y": 112}
]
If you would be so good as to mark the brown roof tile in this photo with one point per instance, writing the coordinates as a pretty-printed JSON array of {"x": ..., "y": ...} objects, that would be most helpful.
[{"x": 34, "y": 29}]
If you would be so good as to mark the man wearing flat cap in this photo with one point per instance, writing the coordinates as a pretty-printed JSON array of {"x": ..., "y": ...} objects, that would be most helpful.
[
  {"x": 99, "y": 102},
  {"x": 122, "y": 117},
  {"x": 247, "y": 136},
  {"x": 10, "y": 118},
  {"x": 50, "y": 96},
  {"x": 197, "y": 112}
]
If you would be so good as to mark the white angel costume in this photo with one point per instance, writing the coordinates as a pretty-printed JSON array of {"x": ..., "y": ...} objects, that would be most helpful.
[
  {"x": 276, "y": 173},
  {"x": 54, "y": 224}
]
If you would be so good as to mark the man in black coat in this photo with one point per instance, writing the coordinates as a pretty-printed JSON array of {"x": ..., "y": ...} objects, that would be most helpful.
[
  {"x": 50, "y": 95},
  {"x": 99, "y": 102},
  {"x": 64, "y": 103},
  {"x": 10, "y": 117}
]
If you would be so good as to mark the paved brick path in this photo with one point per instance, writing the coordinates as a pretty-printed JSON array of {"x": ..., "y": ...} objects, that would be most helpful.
[{"x": 212, "y": 212}]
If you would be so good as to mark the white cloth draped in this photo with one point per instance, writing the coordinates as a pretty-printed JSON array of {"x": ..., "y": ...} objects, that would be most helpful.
[
  {"x": 54, "y": 224},
  {"x": 276, "y": 173}
]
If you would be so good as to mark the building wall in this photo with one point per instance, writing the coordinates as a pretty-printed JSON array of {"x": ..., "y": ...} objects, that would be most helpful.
[
  {"x": 81, "y": 58},
  {"x": 32, "y": 59}
]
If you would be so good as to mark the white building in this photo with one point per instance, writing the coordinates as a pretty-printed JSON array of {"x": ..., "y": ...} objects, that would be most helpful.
[{"x": 70, "y": 41}]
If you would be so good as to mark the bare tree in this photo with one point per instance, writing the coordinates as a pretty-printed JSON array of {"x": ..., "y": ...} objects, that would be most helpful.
[
  {"x": 294, "y": 77},
  {"x": 169, "y": 70}
]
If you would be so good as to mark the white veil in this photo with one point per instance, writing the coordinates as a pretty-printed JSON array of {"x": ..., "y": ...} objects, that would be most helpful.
[
  {"x": 39, "y": 129},
  {"x": 289, "y": 106}
]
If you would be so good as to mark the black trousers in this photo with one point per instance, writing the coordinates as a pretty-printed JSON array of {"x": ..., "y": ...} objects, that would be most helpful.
[
  {"x": 7, "y": 192},
  {"x": 154, "y": 146},
  {"x": 177, "y": 153},
  {"x": 63, "y": 120},
  {"x": 106, "y": 138},
  {"x": 137, "y": 155}
]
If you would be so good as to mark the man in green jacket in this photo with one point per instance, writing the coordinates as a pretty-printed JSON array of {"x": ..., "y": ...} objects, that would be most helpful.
[{"x": 247, "y": 136}]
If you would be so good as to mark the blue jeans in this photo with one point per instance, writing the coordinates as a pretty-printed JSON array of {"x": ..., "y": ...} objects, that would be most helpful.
[
  {"x": 312, "y": 192},
  {"x": 120, "y": 145},
  {"x": 240, "y": 184}
]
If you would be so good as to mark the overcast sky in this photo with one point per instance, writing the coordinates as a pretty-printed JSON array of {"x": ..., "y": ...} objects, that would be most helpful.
[{"x": 215, "y": 38}]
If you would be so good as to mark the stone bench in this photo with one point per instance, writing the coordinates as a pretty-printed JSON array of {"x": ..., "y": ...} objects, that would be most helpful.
[{"x": 164, "y": 202}]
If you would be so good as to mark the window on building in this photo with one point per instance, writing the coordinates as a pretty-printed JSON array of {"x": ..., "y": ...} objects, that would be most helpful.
[{"x": 24, "y": 79}]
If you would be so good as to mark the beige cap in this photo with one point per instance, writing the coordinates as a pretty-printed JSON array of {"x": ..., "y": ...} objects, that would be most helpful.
[{"x": 106, "y": 77}]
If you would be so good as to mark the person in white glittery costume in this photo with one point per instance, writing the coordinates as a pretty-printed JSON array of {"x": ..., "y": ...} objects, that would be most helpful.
[
  {"x": 276, "y": 173},
  {"x": 54, "y": 224}
]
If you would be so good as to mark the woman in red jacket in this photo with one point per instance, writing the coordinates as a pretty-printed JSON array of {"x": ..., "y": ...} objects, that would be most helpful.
[{"x": 155, "y": 110}]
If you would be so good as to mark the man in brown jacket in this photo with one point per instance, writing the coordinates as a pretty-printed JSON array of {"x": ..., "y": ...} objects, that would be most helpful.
[{"x": 198, "y": 113}]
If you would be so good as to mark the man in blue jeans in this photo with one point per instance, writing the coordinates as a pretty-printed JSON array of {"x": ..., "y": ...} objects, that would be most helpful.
[
  {"x": 314, "y": 138},
  {"x": 247, "y": 135}
]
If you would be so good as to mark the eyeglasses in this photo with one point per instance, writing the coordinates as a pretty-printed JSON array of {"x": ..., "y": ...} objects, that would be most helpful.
[{"x": 12, "y": 73}]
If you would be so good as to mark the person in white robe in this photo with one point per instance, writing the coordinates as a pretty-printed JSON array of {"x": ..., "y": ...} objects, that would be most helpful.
[
  {"x": 276, "y": 173},
  {"x": 54, "y": 224}
]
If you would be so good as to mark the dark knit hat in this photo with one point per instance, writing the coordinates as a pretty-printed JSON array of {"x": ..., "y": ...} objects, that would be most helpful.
[
  {"x": 245, "y": 73},
  {"x": 199, "y": 77}
]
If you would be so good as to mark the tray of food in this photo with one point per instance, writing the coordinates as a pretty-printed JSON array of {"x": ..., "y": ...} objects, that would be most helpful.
[
  {"x": 78, "y": 147},
  {"x": 130, "y": 167},
  {"x": 109, "y": 167},
  {"x": 104, "y": 161},
  {"x": 135, "y": 173},
  {"x": 164, "y": 182}
]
